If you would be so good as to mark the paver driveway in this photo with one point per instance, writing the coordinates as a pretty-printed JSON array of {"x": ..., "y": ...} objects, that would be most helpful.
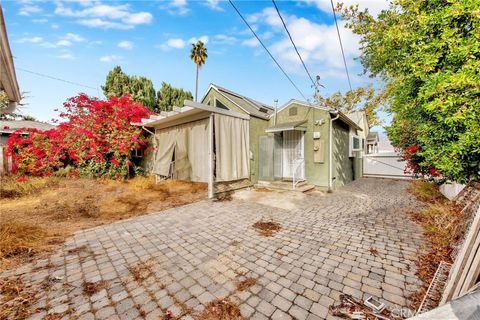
[{"x": 328, "y": 245}]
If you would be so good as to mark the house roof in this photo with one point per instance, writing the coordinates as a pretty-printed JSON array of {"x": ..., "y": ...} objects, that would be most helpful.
[
  {"x": 249, "y": 105},
  {"x": 372, "y": 135},
  {"x": 343, "y": 117},
  {"x": 9, "y": 126},
  {"x": 8, "y": 78},
  {"x": 182, "y": 114},
  {"x": 286, "y": 126}
]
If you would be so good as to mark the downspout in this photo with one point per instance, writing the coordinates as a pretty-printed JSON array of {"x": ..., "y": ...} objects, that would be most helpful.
[
  {"x": 210, "y": 157},
  {"x": 330, "y": 161}
]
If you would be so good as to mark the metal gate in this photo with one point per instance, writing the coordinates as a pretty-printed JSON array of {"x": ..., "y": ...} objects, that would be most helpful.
[{"x": 385, "y": 165}]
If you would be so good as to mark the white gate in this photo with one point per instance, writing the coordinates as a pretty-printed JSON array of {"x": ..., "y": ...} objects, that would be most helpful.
[
  {"x": 385, "y": 165},
  {"x": 293, "y": 158}
]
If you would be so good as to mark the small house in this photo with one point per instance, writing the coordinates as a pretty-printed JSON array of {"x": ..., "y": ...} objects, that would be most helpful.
[{"x": 230, "y": 141}]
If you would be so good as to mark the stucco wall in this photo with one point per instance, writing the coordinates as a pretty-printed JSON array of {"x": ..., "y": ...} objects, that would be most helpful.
[
  {"x": 315, "y": 173},
  {"x": 342, "y": 163}
]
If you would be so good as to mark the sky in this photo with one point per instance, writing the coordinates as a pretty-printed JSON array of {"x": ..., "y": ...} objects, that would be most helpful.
[{"x": 80, "y": 41}]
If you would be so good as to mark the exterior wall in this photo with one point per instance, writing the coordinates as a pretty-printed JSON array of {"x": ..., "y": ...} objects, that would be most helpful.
[
  {"x": 342, "y": 163},
  {"x": 257, "y": 128},
  {"x": 315, "y": 173}
]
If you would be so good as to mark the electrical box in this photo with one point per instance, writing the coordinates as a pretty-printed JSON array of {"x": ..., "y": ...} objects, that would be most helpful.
[
  {"x": 318, "y": 151},
  {"x": 316, "y": 135}
]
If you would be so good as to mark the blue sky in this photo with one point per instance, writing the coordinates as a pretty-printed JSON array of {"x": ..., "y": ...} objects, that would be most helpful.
[{"x": 80, "y": 41}]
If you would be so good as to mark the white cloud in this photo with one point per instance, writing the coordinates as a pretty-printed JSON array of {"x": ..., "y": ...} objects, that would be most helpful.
[
  {"x": 66, "y": 56},
  {"x": 30, "y": 40},
  {"x": 252, "y": 42},
  {"x": 317, "y": 43},
  {"x": 176, "y": 43},
  {"x": 111, "y": 58},
  {"x": 108, "y": 16},
  {"x": 73, "y": 37},
  {"x": 224, "y": 39},
  {"x": 65, "y": 41},
  {"x": 204, "y": 39},
  {"x": 177, "y": 7},
  {"x": 374, "y": 6},
  {"x": 29, "y": 8},
  {"x": 125, "y": 45},
  {"x": 214, "y": 5}
]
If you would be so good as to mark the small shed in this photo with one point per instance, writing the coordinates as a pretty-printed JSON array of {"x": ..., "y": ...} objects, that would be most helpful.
[{"x": 201, "y": 143}]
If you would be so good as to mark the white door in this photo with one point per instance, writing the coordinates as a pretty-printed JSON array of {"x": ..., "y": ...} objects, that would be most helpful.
[{"x": 293, "y": 158}]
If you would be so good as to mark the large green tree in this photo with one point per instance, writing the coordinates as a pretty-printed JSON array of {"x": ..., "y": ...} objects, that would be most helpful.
[
  {"x": 169, "y": 96},
  {"x": 365, "y": 99},
  {"x": 141, "y": 89},
  {"x": 199, "y": 56},
  {"x": 428, "y": 55}
]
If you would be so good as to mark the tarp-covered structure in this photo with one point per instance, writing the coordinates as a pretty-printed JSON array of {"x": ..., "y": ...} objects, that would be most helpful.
[{"x": 201, "y": 143}]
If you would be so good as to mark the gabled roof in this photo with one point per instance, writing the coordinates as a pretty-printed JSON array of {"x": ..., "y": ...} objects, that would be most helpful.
[
  {"x": 358, "y": 117},
  {"x": 249, "y": 105},
  {"x": 9, "y": 126},
  {"x": 286, "y": 126},
  {"x": 373, "y": 136}
]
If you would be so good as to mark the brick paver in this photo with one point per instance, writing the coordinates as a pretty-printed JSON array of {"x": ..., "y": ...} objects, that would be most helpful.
[{"x": 199, "y": 252}]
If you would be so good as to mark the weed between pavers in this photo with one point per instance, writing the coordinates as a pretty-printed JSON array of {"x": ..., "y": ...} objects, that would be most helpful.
[
  {"x": 245, "y": 284},
  {"x": 142, "y": 270},
  {"x": 221, "y": 309},
  {"x": 90, "y": 288},
  {"x": 267, "y": 228},
  {"x": 16, "y": 298}
]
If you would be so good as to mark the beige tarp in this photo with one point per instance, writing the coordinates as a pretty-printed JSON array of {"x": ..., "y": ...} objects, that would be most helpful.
[
  {"x": 190, "y": 143},
  {"x": 231, "y": 148}
]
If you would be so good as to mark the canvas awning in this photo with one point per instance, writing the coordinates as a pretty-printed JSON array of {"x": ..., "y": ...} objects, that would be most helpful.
[{"x": 287, "y": 126}]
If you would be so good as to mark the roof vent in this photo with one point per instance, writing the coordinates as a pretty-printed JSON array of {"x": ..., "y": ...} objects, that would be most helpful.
[
  {"x": 292, "y": 111},
  {"x": 264, "y": 110}
]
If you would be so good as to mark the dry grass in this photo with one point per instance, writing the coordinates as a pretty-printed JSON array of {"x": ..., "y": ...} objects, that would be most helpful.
[
  {"x": 220, "y": 309},
  {"x": 142, "y": 270},
  {"x": 439, "y": 220},
  {"x": 90, "y": 288},
  {"x": 247, "y": 283},
  {"x": 15, "y": 299},
  {"x": 40, "y": 213},
  {"x": 267, "y": 228},
  {"x": 262, "y": 189},
  {"x": 427, "y": 191}
]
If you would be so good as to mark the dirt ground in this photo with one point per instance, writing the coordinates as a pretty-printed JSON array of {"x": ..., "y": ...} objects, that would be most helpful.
[{"x": 38, "y": 214}]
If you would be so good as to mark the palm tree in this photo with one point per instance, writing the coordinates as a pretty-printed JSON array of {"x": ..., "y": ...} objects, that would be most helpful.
[{"x": 199, "y": 55}]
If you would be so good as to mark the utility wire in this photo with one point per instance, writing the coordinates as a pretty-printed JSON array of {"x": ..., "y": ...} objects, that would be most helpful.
[
  {"x": 266, "y": 49},
  {"x": 341, "y": 45},
  {"x": 293, "y": 43},
  {"x": 58, "y": 79}
]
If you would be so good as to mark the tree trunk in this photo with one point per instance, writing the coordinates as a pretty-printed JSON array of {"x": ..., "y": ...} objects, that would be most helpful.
[{"x": 196, "y": 86}]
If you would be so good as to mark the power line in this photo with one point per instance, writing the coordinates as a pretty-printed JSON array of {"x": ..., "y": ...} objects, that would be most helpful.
[
  {"x": 341, "y": 45},
  {"x": 293, "y": 43},
  {"x": 58, "y": 79},
  {"x": 266, "y": 49}
]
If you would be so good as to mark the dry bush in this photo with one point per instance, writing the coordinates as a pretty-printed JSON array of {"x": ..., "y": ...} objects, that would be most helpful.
[
  {"x": 267, "y": 228},
  {"x": 10, "y": 187},
  {"x": 90, "y": 288},
  {"x": 15, "y": 299},
  {"x": 439, "y": 220},
  {"x": 262, "y": 189},
  {"x": 427, "y": 191},
  {"x": 247, "y": 283},
  {"x": 220, "y": 309},
  {"x": 20, "y": 239}
]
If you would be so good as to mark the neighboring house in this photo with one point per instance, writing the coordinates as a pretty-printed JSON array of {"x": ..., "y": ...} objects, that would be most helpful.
[
  {"x": 7, "y": 127},
  {"x": 373, "y": 140},
  {"x": 241, "y": 141},
  {"x": 8, "y": 78}
]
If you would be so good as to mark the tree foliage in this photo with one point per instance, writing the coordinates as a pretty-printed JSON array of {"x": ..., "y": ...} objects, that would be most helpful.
[
  {"x": 140, "y": 89},
  {"x": 365, "y": 99},
  {"x": 428, "y": 55},
  {"x": 169, "y": 96},
  {"x": 96, "y": 138},
  {"x": 199, "y": 56}
]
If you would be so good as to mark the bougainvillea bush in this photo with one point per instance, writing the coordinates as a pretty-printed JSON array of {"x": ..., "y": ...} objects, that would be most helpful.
[{"x": 94, "y": 137}]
